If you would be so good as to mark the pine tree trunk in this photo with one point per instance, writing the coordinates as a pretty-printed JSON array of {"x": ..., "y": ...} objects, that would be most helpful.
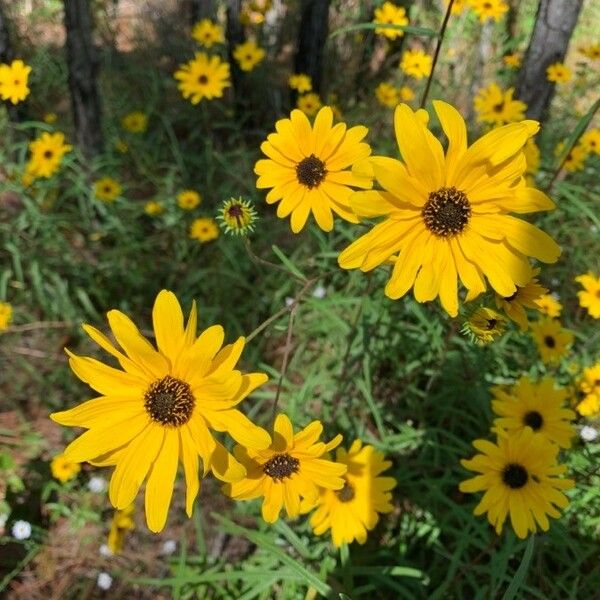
[
  {"x": 554, "y": 25},
  {"x": 314, "y": 27},
  {"x": 201, "y": 9},
  {"x": 82, "y": 61}
]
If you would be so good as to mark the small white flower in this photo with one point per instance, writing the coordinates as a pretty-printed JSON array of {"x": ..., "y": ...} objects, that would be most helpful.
[
  {"x": 289, "y": 301},
  {"x": 319, "y": 292},
  {"x": 105, "y": 550},
  {"x": 168, "y": 547},
  {"x": 104, "y": 581},
  {"x": 96, "y": 484},
  {"x": 21, "y": 530},
  {"x": 588, "y": 434}
]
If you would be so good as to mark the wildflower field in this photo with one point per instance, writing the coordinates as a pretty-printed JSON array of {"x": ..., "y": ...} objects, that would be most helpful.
[{"x": 299, "y": 299}]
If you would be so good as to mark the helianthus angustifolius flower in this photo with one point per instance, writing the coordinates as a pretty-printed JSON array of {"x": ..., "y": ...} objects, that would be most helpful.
[
  {"x": 416, "y": 63},
  {"x": 248, "y": 55},
  {"x": 292, "y": 468},
  {"x": 387, "y": 94},
  {"x": 300, "y": 82},
  {"x": 107, "y": 189},
  {"x": 188, "y": 199},
  {"x": 552, "y": 339},
  {"x": 457, "y": 7},
  {"x": 237, "y": 216},
  {"x": 589, "y": 297},
  {"x": 493, "y": 105},
  {"x": 591, "y": 51},
  {"x": 307, "y": 168},
  {"x": 559, "y": 73},
  {"x": 447, "y": 216},
  {"x": 575, "y": 159},
  {"x": 47, "y": 152},
  {"x": 484, "y": 325},
  {"x": 526, "y": 296},
  {"x": 63, "y": 469},
  {"x": 590, "y": 141},
  {"x": 121, "y": 523},
  {"x": 309, "y": 103},
  {"x": 13, "y": 81},
  {"x": 589, "y": 386},
  {"x": 203, "y": 77},
  {"x": 153, "y": 208},
  {"x": 5, "y": 315},
  {"x": 390, "y": 14},
  {"x": 548, "y": 305},
  {"x": 207, "y": 33},
  {"x": 519, "y": 477},
  {"x": 159, "y": 410},
  {"x": 204, "y": 230},
  {"x": 512, "y": 60},
  {"x": 406, "y": 94},
  {"x": 135, "y": 122},
  {"x": 538, "y": 405},
  {"x": 353, "y": 511},
  {"x": 489, "y": 9}
]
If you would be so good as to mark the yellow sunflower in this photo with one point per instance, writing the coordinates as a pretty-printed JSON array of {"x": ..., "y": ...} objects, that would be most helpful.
[
  {"x": 390, "y": 14},
  {"x": 13, "y": 81},
  {"x": 207, "y": 33},
  {"x": 204, "y": 230},
  {"x": 159, "y": 410},
  {"x": 107, "y": 189},
  {"x": 188, "y": 199},
  {"x": 589, "y": 297},
  {"x": 64, "y": 469},
  {"x": 559, "y": 73},
  {"x": 290, "y": 469},
  {"x": 484, "y": 325},
  {"x": 300, "y": 82},
  {"x": 552, "y": 340},
  {"x": 416, "y": 63},
  {"x": 526, "y": 296},
  {"x": 203, "y": 77},
  {"x": 447, "y": 217},
  {"x": 498, "y": 107},
  {"x": 135, "y": 122},
  {"x": 121, "y": 523},
  {"x": 512, "y": 60},
  {"x": 548, "y": 305},
  {"x": 5, "y": 315},
  {"x": 489, "y": 9},
  {"x": 519, "y": 477},
  {"x": 153, "y": 208},
  {"x": 47, "y": 152},
  {"x": 307, "y": 168},
  {"x": 354, "y": 510},
  {"x": 309, "y": 104},
  {"x": 248, "y": 55},
  {"x": 590, "y": 141},
  {"x": 387, "y": 95},
  {"x": 536, "y": 405}
]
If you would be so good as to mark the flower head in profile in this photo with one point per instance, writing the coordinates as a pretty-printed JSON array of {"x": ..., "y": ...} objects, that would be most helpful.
[
  {"x": 188, "y": 199},
  {"x": 292, "y": 468},
  {"x": 307, "y": 168},
  {"x": 300, "y": 82},
  {"x": 559, "y": 73},
  {"x": 309, "y": 103},
  {"x": 237, "y": 216},
  {"x": 204, "y": 230},
  {"x": 519, "y": 477},
  {"x": 548, "y": 305},
  {"x": 484, "y": 325},
  {"x": 121, "y": 523},
  {"x": 207, "y": 33},
  {"x": 387, "y": 94},
  {"x": 538, "y": 405},
  {"x": 512, "y": 60},
  {"x": 13, "y": 81},
  {"x": 153, "y": 208},
  {"x": 203, "y": 77},
  {"x": 248, "y": 55},
  {"x": 135, "y": 122},
  {"x": 5, "y": 315},
  {"x": 526, "y": 296},
  {"x": 489, "y": 9},
  {"x": 390, "y": 14},
  {"x": 589, "y": 297},
  {"x": 416, "y": 63},
  {"x": 47, "y": 152},
  {"x": 159, "y": 408},
  {"x": 63, "y": 469},
  {"x": 447, "y": 215},
  {"x": 353, "y": 511},
  {"x": 552, "y": 339},
  {"x": 107, "y": 189},
  {"x": 590, "y": 141},
  {"x": 498, "y": 107}
]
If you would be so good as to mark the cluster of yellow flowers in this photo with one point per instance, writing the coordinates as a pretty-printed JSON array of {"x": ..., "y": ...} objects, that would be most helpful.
[{"x": 390, "y": 96}]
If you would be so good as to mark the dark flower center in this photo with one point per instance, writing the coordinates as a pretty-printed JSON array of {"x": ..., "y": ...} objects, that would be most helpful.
[
  {"x": 169, "y": 401},
  {"x": 48, "y": 154},
  {"x": 533, "y": 419},
  {"x": 490, "y": 324},
  {"x": 498, "y": 107},
  {"x": 281, "y": 466},
  {"x": 550, "y": 341},
  {"x": 346, "y": 493},
  {"x": 515, "y": 476},
  {"x": 235, "y": 212},
  {"x": 311, "y": 171},
  {"x": 203, "y": 79},
  {"x": 446, "y": 212}
]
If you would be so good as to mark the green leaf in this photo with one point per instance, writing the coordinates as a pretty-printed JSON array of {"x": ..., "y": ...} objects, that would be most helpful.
[
  {"x": 521, "y": 574},
  {"x": 288, "y": 263}
]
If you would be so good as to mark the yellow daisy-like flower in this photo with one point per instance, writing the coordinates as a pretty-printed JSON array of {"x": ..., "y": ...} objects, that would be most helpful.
[
  {"x": 416, "y": 63},
  {"x": 590, "y": 141},
  {"x": 387, "y": 94},
  {"x": 536, "y": 405},
  {"x": 292, "y": 468},
  {"x": 204, "y": 230},
  {"x": 590, "y": 380},
  {"x": 248, "y": 55},
  {"x": 526, "y": 296},
  {"x": 559, "y": 73},
  {"x": 203, "y": 77},
  {"x": 6, "y": 312},
  {"x": 552, "y": 340},
  {"x": 309, "y": 104},
  {"x": 50, "y": 118},
  {"x": 121, "y": 523},
  {"x": 589, "y": 406},
  {"x": 390, "y": 14},
  {"x": 253, "y": 11},
  {"x": 498, "y": 107},
  {"x": 447, "y": 216},
  {"x": 307, "y": 168},
  {"x": 160, "y": 408},
  {"x": 406, "y": 94},
  {"x": 519, "y": 477},
  {"x": 575, "y": 159},
  {"x": 484, "y": 325},
  {"x": 300, "y": 82},
  {"x": 64, "y": 469},
  {"x": 13, "y": 81},
  {"x": 589, "y": 297},
  {"x": 135, "y": 122},
  {"x": 512, "y": 60},
  {"x": 47, "y": 152},
  {"x": 354, "y": 510},
  {"x": 489, "y": 9},
  {"x": 592, "y": 51},
  {"x": 154, "y": 208},
  {"x": 207, "y": 33},
  {"x": 107, "y": 189},
  {"x": 188, "y": 199},
  {"x": 548, "y": 305},
  {"x": 237, "y": 216}
]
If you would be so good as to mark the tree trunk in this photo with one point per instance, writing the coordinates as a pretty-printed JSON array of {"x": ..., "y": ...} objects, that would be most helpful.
[
  {"x": 200, "y": 9},
  {"x": 554, "y": 25},
  {"x": 314, "y": 26},
  {"x": 82, "y": 61}
]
